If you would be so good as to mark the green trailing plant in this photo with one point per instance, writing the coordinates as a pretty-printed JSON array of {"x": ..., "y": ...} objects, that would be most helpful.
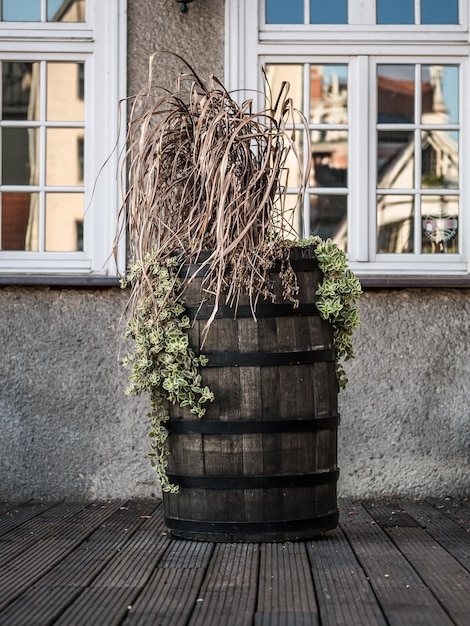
[
  {"x": 162, "y": 362},
  {"x": 339, "y": 291}
]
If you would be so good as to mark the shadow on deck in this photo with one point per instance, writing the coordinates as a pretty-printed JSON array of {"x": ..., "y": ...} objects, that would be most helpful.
[{"x": 389, "y": 562}]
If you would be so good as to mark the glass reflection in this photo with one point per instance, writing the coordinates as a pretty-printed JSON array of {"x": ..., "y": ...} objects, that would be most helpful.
[
  {"x": 65, "y": 10},
  {"x": 395, "y": 94},
  {"x": 331, "y": 12},
  {"x": 21, "y": 10},
  {"x": 65, "y": 100},
  {"x": 328, "y": 217},
  {"x": 276, "y": 74},
  {"x": 282, "y": 12},
  {"x": 395, "y": 224},
  {"x": 395, "y": 159},
  {"x": 293, "y": 172},
  {"x": 20, "y": 156},
  {"x": 64, "y": 156},
  {"x": 20, "y": 221},
  {"x": 440, "y": 94},
  {"x": 396, "y": 12},
  {"x": 293, "y": 217},
  {"x": 64, "y": 222},
  {"x": 329, "y": 159},
  {"x": 20, "y": 90},
  {"x": 329, "y": 94},
  {"x": 440, "y": 224},
  {"x": 439, "y": 159},
  {"x": 439, "y": 12}
]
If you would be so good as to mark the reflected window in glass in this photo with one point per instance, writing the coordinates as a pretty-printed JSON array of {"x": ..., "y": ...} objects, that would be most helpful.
[
  {"x": 395, "y": 94},
  {"x": 20, "y": 90},
  {"x": 64, "y": 222},
  {"x": 329, "y": 217},
  {"x": 64, "y": 95},
  {"x": 395, "y": 159},
  {"x": 20, "y": 221},
  {"x": 395, "y": 224}
]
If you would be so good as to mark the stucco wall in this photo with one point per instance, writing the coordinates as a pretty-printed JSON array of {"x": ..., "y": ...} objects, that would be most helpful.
[{"x": 68, "y": 429}]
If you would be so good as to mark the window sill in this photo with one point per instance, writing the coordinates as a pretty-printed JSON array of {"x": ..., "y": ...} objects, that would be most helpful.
[
  {"x": 415, "y": 282},
  {"x": 59, "y": 282}
]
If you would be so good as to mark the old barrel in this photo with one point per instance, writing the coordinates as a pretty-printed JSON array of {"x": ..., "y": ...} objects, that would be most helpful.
[{"x": 261, "y": 465}]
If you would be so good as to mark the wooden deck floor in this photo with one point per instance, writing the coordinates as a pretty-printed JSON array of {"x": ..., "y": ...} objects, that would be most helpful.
[{"x": 389, "y": 562}]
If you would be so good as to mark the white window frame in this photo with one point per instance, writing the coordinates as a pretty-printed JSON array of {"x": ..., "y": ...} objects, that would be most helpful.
[
  {"x": 100, "y": 43},
  {"x": 250, "y": 44}
]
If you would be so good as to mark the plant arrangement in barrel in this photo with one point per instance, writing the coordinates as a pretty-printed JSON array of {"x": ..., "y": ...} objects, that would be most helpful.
[{"x": 204, "y": 176}]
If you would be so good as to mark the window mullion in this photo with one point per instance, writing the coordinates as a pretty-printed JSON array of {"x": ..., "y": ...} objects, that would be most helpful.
[
  {"x": 418, "y": 157},
  {"x": 358, "y": 218}
]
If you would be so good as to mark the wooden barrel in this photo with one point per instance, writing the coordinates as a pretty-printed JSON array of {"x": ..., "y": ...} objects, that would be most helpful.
[{"x": 261, "y": 464}]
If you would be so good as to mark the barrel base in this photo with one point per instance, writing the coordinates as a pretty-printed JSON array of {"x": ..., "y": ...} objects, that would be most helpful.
[{"x": 252, "y": 532}]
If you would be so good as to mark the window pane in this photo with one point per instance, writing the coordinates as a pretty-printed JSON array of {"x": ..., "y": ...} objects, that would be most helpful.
[
  {"x": 293, "y": 74},
  {"x": 395, "y": 224},
  {"x": 396, "y": 12},
  {"x": 20, "y": 223},
  {"x": 21, "y": 10},
  {"x": 64, "y": 156},
  {"x": 64, "y": 222},
  {"x": 395, "y": 94},
  {"x": 331, "y": 12},
  {"x": 395, "y": 160},
  {"x": 20, "y": 156},
  {"x": 328, "y": 94},
  {"x": 293, "y": 172},
  {"x": 65, "y": 11},
  {"x": 439, "y": 12},
  {"x": 440, "y": 94},
  {"x": 282, "y": 12},
  {"x": 439, "y": 159},
  {"x": 328, "y": 217},
  {"x": 293, "y": 216},
  {"x": 20, "y": 90},
  {"x": 65, "y": 92},
  {"x": 440, "y": 224},
  {"x": 329, "y": 158}
]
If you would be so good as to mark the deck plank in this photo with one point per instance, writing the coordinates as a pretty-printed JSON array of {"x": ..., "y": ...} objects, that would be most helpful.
[
  {"x": 403, "y": 596},
  {"x": 106, "y": 600},
  {"x": 173, "y": 591},
  {"x": 343, "y": 590},
  {"x": 17, "y": 515},
  {"x": 447, "y": 579},
  {"x": 228, "y": 594},
  {"x": 45, "y": 524},
  {"x": 448, "y": 532},
  {"x": 28, "y": 567},
  {"x": 286, "y": 593}
]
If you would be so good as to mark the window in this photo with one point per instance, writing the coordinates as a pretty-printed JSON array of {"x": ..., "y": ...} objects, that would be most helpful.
[
  {"x": 62, "y": 75},
  {"x": 382, "y": 92}
]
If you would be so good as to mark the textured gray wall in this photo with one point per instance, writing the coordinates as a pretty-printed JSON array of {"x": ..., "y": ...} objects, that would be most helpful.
[
  {"x": 68, "y": 429},
  {"x": 406, "y": 411}
]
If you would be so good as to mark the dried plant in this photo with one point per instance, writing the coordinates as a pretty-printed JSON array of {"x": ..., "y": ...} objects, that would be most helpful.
[{"x": 204, "y": 174}]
